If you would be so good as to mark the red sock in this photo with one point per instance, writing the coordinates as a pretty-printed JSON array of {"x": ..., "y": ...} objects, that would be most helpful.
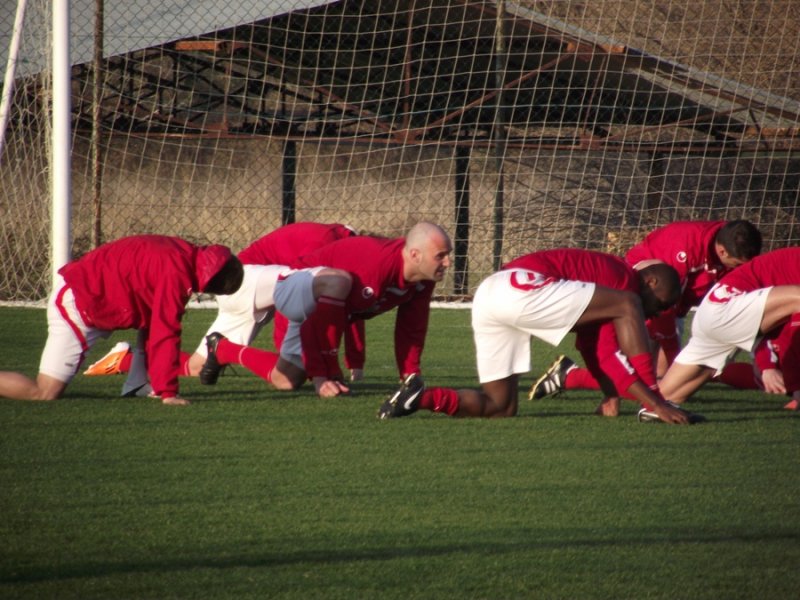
[
  {"x": 740, "y": 376},
  {"x": 125, "y": 365},
  {"x": 437, "y": 399},
  {"x": 228, "y": 352},
  {"x": 257, "y": 361},
  {"x": 580, "y": 379}
]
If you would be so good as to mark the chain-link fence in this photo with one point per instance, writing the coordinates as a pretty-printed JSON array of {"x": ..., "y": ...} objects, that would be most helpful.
[{"x": 517, "y": 126}]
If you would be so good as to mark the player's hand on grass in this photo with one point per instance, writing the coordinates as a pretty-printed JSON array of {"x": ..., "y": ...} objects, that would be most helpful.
[
  {"x": 670, "y": 413},
  {"x": 170, "y": 400},
  {"x": 609, "y": 407},
  {"x": 329, "y": 388},
  {"x": 175, "y": 401},
  {"x": 773, "y": 381}
]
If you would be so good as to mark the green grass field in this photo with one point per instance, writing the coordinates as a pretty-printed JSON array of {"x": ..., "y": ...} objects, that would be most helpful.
[{"x": 249, "y": 493}]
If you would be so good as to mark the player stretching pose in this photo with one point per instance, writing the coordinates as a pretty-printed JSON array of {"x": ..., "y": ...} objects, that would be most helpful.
[
  {"x": 776, "y": 365},
  {"x": 383, "y": 274},
  {"x": 701, "y": 252},
  {"x": 747, "y": 303},
  {"x": 242, "y": 315},
  {"x": 547, "y": 294},
  {"x": 141, "y": 282}
]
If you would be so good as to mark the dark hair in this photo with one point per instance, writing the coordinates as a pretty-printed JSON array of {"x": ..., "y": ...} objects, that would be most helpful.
[
  {"x": 668, "y": 277},
  {"x": 665, "y": 294},
  {"x": 740, "y": 238},
  {"x": 228, "y": 279}
]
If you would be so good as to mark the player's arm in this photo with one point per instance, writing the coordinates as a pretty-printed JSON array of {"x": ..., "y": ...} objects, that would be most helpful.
[
  {"x": 619, "y": 370},
  {"x": 164, "y": 339},
  {"x": 355, "y": 348},
  {"x": 765, "y": 358},
  {"x": 410, "y": 329}
]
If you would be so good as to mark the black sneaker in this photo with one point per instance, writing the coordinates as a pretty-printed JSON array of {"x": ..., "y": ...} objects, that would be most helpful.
[
  {"x": 405, "y": 400},
  {"x": 552, "y": 381},
  {"x": 210, "y": 371}
]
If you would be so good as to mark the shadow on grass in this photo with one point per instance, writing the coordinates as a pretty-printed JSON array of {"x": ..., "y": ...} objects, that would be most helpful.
[{"x": 531, "y": 541}]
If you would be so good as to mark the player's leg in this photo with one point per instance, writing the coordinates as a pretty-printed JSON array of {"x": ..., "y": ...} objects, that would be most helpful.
[
  {"x": 137, "y": 383},
  {"x": 286, "y": 375},
  {"x": 195, "y": 363},
  {"x": 682, "y": 380},
  {"x": 68, "y": 341},
  {"x": 494, "y": 399},
  {"x": 240, "y": 317},
  {"x": 739, "y": 375},
  {"x": 782, "y": 302},
  {"x": 17, "y": 386},
  {"x": 498, "y": 398},
  {"x": 718, "y": 328}
]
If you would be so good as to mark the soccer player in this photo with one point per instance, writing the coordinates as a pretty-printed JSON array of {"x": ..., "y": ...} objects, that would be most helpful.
[
  {"x": 547, "y": 294},
  {"x": 140, "y": 282},
  {"x": 747, "y": 303},
  {"x": 242, "y": 315},
  {"x": 701, "y": 252},
  {"x": 384, "y": 274},
  {"x": 776, "y": 353}
]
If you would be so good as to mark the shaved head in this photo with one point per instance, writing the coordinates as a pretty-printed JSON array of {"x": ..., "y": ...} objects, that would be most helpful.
[
  {"x": 426, "y": 254},
  {"x": 421, "y": 234}
]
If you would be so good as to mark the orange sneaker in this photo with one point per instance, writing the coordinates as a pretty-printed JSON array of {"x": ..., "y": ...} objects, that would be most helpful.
[
  {"x": 110, "y": 363},
  {"x": 792, "y": 405}
]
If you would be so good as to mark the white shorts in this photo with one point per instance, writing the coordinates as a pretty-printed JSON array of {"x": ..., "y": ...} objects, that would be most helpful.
[
  {"x": 294, "y": 298},
  {"x": 241, "y": 315},
  {"x": 719, "y": 328},
  {"x": 511, "y": 306},
  {"x": 68, "y": 337}
]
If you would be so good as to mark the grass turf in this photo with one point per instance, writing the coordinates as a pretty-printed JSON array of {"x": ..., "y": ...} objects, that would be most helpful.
[{"x": 250, "y": 493}]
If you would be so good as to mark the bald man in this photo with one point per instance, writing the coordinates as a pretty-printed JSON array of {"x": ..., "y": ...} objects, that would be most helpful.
[{"x": 382, "y": 274}]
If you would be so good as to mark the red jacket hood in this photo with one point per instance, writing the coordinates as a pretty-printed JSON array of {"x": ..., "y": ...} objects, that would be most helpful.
[{"x": 210, "y": 259}]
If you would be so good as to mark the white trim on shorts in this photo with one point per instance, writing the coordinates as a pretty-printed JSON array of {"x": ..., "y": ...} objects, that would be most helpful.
[
  {"x": 64, "y": 350},
  {"x": 719, "y": 328},
  {"x": 511, "y": 306}
]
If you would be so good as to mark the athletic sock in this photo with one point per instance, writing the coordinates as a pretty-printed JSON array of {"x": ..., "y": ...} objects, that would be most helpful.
[
  {"x": 125, "y": 363},
  {"x": 580, "y": 379},
  {"x": 257, "y": 361},
  {"x": 441, "y": 400},
  {"x": 228, "y": 352}
]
